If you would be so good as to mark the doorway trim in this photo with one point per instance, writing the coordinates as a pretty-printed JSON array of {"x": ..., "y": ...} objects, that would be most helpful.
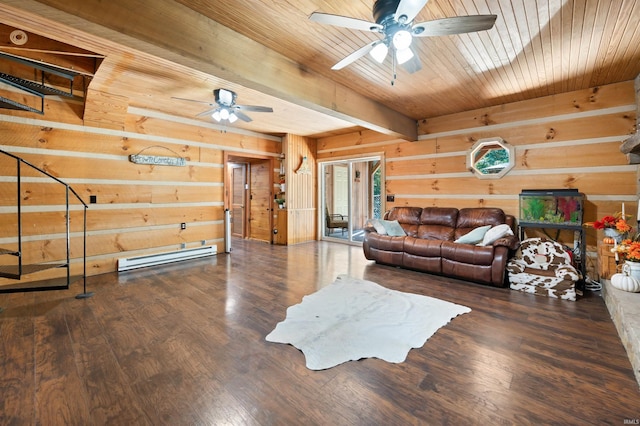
[
  {"x": 380, "y": 156},
  {"x": 243, "y": 157}
]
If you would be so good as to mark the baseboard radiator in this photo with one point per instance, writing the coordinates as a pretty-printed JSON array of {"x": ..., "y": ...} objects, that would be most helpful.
[{"x": 128, "y": 263}]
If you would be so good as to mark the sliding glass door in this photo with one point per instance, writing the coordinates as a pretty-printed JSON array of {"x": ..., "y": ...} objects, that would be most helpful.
[{"x": 350, "y": 194}]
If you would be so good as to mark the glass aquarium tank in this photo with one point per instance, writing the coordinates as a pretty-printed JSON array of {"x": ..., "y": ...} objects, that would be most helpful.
[{"x": 551, "y": 206}]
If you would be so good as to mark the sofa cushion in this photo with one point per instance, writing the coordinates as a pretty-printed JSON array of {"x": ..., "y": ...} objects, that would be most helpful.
[
  {"x": 438, "y": 223},
  {"x": 474, "y": 236},
  {"x": 408, "y": 217},
  {"x": 495, "y": 233},
  {"x": 467, "y": 254},
  {"x": 471, "y": 218},
  {"x": 421, "y": 247}
]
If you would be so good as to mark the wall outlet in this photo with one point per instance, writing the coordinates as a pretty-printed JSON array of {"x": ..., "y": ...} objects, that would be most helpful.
[
  {"x": 183, "y": 225},
  {"x": 183, "y": 245},
  {"x": 391, "y": 198},
  {"x": 93, "y": 199}
]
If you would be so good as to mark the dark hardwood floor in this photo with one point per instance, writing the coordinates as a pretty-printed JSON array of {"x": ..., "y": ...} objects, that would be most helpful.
[{"x": 183, "y": 344}]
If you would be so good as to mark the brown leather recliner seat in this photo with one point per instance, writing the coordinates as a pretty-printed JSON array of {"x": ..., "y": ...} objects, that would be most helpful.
[{"x": 429, "y": 244}]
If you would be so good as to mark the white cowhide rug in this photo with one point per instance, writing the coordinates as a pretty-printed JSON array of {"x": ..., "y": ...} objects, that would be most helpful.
[{"x": 352, "y": 319}]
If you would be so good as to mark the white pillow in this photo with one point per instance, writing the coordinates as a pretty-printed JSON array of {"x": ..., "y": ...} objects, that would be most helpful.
[
  {"x": 393, "y": 228},
  {"x": 377, "y": 224},
  {"x": 494, "y": 233},
  {"x": 474, "y": 236}
]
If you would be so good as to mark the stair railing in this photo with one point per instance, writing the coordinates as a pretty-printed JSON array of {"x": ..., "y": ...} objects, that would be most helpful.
[{"x": 21, "y": 270}]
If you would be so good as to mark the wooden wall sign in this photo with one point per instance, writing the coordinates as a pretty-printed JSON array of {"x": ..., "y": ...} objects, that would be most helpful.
[{"x": 157, "y": 160}]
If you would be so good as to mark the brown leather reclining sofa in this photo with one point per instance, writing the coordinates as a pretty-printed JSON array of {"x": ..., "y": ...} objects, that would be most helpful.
[{"x": 429, "y": 244}]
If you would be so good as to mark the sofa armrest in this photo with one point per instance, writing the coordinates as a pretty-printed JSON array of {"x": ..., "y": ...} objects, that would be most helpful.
[{"x": 510, "y": 241}]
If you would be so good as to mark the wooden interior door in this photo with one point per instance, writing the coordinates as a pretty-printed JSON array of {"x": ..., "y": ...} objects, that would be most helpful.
[
  {"x": 238, "y": 199},
  {"x": 260, "y": 213}
]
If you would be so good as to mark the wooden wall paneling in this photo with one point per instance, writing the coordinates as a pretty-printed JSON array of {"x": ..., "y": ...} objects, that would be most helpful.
[
  {"x": 151, "y": 240},
  {"x": 423, "y": 166},
  {"x": 582, "y": 128},
  {"x": 357, "y": 139},
  {"x": 301, "y": 225},
  {"x": 95, "y": 162},
  {"x": 564, "y": 141},
  {"x": 8, "y": 185},
  {"x": 186, "y": 194},
  {"x": 301, "y": 188},
  {"x": 144, "y": 216},
  {"x": 571, "y": 156},
  {"x": 592, "y": 99},
  {"x": 508, "y": 204},
  {"x": 409, "y": 149},
  {"x": 535, "y": 158},
  {"x": 349, "y": 153},
  {"x": 622, "y": 183},
  {"x": 200, "y": 131},
  {"x": 68, "y": 167},
  {"x": 9, "y": 226},
  {"x": 105, "y": 110},
  {"x": 55, "y": 194}
]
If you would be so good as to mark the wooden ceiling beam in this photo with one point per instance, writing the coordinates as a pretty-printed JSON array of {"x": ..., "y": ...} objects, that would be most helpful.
[{"x": 168, "y": 30}]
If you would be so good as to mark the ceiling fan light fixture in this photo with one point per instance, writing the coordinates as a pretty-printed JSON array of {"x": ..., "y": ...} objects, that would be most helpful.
[
  {"x": 402, "y": 39},
  {"x": 224, "y": 114},
  {"x": 232, "y": 117},
  {"x": 379, "y": 52},
  {"x": 403, "y": 55},
  {"x": 216, "y": 115}
]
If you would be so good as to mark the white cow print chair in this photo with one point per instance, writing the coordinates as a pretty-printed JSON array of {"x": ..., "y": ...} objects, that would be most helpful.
[{"x": 543, "y": 267}]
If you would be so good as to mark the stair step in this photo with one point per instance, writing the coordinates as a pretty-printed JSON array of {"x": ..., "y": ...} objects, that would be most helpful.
[
  {"x": 59, "y": 283},
  {"x": 12, "y": 271}
]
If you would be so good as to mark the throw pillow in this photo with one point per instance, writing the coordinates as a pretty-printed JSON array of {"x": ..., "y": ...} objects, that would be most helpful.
[
  {"x": 393, "y": 228},
  {"x": 377, "y": 224},
  {"x": 474, "y": 236},
  {"x": 494, "y": 233}
]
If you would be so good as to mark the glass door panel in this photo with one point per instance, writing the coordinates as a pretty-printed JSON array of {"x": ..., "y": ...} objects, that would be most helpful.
[{"x": 351, "y": 194}]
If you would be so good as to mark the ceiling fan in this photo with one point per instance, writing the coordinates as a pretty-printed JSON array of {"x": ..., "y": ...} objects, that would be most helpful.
[
  {"x": 225, "y": 107},
  {"x": 394, "y": 21}
]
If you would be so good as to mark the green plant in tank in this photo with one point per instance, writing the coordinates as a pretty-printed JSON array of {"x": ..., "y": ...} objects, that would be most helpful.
[
  {"x": 534, "y": 210},
  {"x": 575, "y": 216},
  {"x": 554, "y": 217}
]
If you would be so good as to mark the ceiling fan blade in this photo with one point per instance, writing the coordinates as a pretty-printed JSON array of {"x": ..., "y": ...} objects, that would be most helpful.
[
  {"x": 345, "y": 21},
  {"x": 207, "y": 112},
  {"x": 242, "y": 116},
  {"x": 354, "y": 56},
  {"x": 455, "y": 25},
  {"x": 193, "y": 100},
  {"x": 409, "y": 9},
  {"x": 254, "y": 108},
  {"x": 413, "y": 65}
]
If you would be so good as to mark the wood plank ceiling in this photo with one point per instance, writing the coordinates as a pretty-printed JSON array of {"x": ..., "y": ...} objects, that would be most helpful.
[{"x": 276, "y": 56}]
